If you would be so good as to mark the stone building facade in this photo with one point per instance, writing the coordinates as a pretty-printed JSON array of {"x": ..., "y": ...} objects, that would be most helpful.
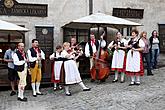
[{"x": 60, "y": 12}]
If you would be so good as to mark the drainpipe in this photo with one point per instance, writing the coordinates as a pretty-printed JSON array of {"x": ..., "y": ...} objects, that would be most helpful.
[{"x": 90, "y": 7}]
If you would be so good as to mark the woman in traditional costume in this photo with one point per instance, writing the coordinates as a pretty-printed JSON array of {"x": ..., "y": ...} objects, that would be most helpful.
[
  {"x": 119, "y": 56},
  {"x": 56, "y": 68},
  {"x": 134, "y": 62},
  {"x": 70, "y": 73}
]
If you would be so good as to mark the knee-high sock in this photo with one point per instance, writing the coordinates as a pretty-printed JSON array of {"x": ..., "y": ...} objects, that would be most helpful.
[
  {"x": 82, "y": 85},
  {"x": 132, "y": 79},
  {"x": 55, "y": 85},
  {"x": 91, "y": 63},
  {"x": 67, "y": 89},
  {"x": 116, "y": 75},
  {"x": 19, "y": 91},
  {"x": 38, "y": 87},
  {"x": 22, "y": 93},
  {"x": 122, "y": 76},
  {"x": 34, "y": 88},
  {"x": 138, "y": 79}
]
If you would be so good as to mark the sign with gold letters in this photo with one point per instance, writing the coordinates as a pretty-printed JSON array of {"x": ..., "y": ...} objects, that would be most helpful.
[
  {"x": 128, "y": 13},
  {"x": 13, "y": 8}
]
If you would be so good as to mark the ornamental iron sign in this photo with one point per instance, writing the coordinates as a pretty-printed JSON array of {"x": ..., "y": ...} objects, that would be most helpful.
[
  {"x": 128, "y": 13},
  {"x": 13, "y": 8}
]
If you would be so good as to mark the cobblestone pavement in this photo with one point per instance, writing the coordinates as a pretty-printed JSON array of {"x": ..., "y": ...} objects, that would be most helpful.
[{"x": 150, "y": 95}]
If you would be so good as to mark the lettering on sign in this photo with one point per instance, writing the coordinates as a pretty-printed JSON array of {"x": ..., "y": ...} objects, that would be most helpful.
[
  {"x": 13, "y": 8},
  {"x": 128, "y": 13}
]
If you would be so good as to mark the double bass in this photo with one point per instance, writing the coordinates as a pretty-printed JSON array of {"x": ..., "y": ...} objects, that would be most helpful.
[{"x": 98, "y": 62}]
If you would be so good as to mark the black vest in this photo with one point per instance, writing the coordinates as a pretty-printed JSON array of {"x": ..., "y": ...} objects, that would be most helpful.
[
  {"x": 19, "y": 68},
  {"x": 90, "y": 47},
  {"x": 114, "y": 42},
  {"x": 33, "y": 54},
  {"x": 135, "y": 44}
]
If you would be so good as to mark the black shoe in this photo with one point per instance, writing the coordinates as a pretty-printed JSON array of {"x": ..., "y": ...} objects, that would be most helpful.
[
  {"x": 122, "y": 81},
  {"x": 23, "y": 100},
  {"x": 92, "y": 80},
  {"x": 34, "y": 95},
  {"x": 154, "y": 67},
  {"x": 132, "y": 84},
  {"x": 137, "y": 83},
  {"x": 68, "y": 94},
  {"x": 39, "y": 93},
  {"x": 87, "y": 89},
  {"x": 103, "y": 80},
  {"x": 115, "y": 80},
  {"x": 150, "y": 74},
  {"x": 12, "y": 93}
]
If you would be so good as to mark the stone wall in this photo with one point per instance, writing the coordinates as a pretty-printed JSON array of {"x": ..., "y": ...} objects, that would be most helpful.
[
  {"x": 61, "y": 12},
  {"x": 153, "y": 11}
]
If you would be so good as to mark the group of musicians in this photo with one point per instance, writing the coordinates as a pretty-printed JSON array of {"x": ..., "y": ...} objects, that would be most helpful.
[{"x": 126, "y": 59}]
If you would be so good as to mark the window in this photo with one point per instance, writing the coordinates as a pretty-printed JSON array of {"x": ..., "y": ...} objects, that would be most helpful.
[
  {"x": 129, "y": 29},
  {"x": 6, "y": 38},
  {"x": 121, "y": 31},
  {"x": 125, "y": 31},
  {"x": 80, "y": 34}
]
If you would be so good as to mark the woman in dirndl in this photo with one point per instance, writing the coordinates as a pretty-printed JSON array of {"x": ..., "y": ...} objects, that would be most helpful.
[
  {"x": 56, "y": 67},
  {"x": 134, "y": 62},
  {"x": 71, "y": 74},
  {"x": 119, "y": 56}
]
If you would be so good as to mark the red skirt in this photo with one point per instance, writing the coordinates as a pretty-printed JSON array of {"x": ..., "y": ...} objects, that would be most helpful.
[
  {"x": 52, "y": 76},
  {"x": 140, "y": 73},
  {"x": 120, "y": 69}
]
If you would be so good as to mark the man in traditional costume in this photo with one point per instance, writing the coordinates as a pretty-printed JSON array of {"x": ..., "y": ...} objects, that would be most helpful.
[
  {"x": 91, "y": 49},
  {"x": 78, "y": 49},
  {"x": 20, "y": 62},
  {"x": 100, "y": 70},
  {"x": 35, "y": 55}
]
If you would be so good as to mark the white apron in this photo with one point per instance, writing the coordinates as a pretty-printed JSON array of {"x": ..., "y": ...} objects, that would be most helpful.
[{"x": 72, "y": 74}]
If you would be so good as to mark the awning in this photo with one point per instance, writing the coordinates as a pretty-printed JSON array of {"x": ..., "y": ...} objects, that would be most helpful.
[
  {"x": 101, "y": 20},
  {"x": 7, "y": 26}
]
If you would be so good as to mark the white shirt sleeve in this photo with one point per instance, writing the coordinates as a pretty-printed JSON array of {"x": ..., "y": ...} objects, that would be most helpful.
[
  {"x": 16, "y": 60},
  {"x": 141, "y": 43},
  {"x": 110, "y": 44},
  {"x": 42, "y": 55},
  {"x": 64, "y": 54},
  {"x": 87, "y": 53},
  {"x": 31, "y": 59},
  {"x": 124, "y": 41},
  {"x": 51, "y": 57}
]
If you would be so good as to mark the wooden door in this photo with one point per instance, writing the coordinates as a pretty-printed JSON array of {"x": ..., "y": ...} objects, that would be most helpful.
[
  {"x": 162, "y": 37},
  {"x": 45, "y": 38}
]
